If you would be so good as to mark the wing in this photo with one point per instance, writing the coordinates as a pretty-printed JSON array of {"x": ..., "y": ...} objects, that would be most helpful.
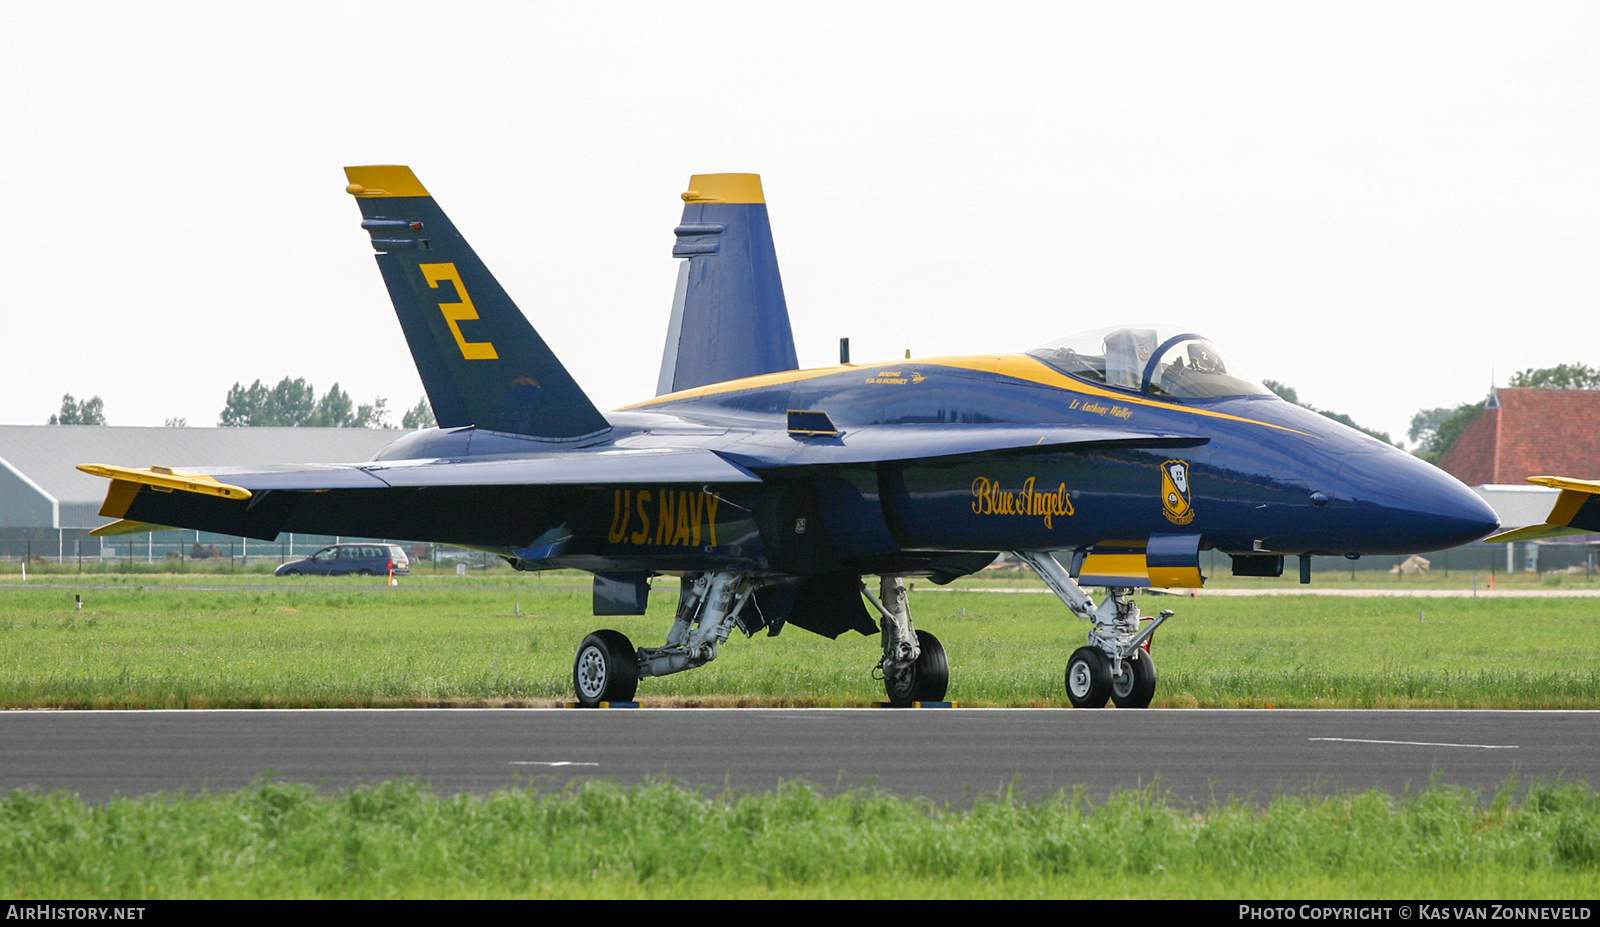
[
  {"x": 239, "y": 500},
  {"x": 255, "y": 501},
  {"x": 1577, "y": 511}
]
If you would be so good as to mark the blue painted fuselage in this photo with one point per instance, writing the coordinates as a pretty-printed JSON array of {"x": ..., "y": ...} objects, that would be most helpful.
[{"x": 933, "y": 459}]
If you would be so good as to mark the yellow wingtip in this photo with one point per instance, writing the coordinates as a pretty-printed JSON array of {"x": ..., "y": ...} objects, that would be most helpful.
[
  {"x": 125, "y": 526},
  {"x": 1533, "y": 533},
  {"x": 383, "y": 180},
  {"x": 1566, "y": 482},
  {"x": 725, "y": 188},
  {"x": 162, "y": 478}
]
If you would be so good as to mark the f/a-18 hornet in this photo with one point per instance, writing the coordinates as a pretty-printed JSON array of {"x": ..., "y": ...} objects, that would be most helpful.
[{"x": 1106, "y": 461}]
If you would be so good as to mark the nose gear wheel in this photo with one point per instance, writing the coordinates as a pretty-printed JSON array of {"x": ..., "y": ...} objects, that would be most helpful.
[
  {"x": 1088, "y": 678},
  {"x": 1136, "y": 686}
]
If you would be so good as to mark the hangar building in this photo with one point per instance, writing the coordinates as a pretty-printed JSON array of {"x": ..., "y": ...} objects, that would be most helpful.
[{"x": 48, "y": 506}]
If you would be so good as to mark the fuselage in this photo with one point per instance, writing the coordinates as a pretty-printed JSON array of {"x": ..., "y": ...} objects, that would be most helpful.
[{"x": 1248, "y": 474}]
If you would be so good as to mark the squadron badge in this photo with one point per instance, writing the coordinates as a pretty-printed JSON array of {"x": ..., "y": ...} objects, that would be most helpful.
[{"x": 1176, "y": 499}]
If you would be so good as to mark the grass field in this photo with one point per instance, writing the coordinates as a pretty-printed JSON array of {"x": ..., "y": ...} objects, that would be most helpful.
[
  {"x": 491, "y": 638},
  {"x": 260, "y": 642},
  {"x": 598, "y": 840}
]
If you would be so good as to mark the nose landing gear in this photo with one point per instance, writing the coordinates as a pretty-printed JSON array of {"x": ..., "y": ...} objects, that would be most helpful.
[{"x": 1115, "y": 664}]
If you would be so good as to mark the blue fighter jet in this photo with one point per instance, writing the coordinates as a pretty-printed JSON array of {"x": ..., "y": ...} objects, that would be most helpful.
[{"x": 1104, "y": 461}]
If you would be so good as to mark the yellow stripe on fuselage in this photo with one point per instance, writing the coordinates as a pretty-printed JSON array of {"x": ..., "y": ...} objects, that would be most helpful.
[
  {"x": 748, "y": 383},
  {"x": 1016, "y": 366}
]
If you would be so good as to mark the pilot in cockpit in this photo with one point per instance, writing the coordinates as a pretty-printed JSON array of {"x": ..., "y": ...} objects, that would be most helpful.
[
  {"x": 1127, "y": 352},
  {"x": 1179, "y": 364}
]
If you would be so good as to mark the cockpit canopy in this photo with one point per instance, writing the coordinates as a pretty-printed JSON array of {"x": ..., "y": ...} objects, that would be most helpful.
[{"x": 1162, "y": 360}]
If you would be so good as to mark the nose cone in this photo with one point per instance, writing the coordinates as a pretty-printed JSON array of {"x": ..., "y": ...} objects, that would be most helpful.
[{"x": 1407, "y": 505}]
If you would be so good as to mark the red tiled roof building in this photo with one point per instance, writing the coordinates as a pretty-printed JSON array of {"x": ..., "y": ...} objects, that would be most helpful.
[{"x": 1527, "y": 432}]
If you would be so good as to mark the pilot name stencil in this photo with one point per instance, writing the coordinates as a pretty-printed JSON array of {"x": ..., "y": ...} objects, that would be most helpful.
[
  {"x": 988, "y": 498},
  {"x": 1100, "y": 408},
  {"x": 664, "y": 518}
]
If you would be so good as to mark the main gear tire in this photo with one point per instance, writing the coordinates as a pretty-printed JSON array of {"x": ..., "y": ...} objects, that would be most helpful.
[
  {"x": 606, "y": 669},
  {"x": 927, "y": 680}
]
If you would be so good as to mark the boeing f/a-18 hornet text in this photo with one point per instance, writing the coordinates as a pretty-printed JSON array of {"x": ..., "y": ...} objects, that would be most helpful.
[{"x": 1108, "y": 460}]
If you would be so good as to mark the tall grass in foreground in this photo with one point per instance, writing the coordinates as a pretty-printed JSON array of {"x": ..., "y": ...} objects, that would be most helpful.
[{"x": 399, "y": 839}]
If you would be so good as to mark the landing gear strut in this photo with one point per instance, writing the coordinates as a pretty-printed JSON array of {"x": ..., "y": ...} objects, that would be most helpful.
[
  {"x": 1114, "y": 665},
  {"x": 914, "y": 665},
  {"x": 608, "y": 668}
]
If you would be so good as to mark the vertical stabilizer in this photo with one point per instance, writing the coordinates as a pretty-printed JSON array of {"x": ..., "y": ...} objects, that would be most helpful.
[
  {"x": 729, "y": 319},
  {"x": 481, "y": 362}
]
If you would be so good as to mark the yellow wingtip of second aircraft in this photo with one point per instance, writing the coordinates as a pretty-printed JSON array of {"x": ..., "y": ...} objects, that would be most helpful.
[
  {"x": 1566, "y": 482},
  {"x": 383, "y": 180},
  {"x": 1534, "y": 533},
  {"x": 724, "y": 188}
]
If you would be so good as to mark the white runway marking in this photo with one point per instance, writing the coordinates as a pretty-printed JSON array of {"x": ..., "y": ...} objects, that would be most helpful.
[
  {"x": 1415, "y": 743},
  {"x": 550, "y": 763}
]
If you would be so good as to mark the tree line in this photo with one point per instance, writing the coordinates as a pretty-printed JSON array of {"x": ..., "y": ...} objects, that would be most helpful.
[
  {"x": 91, "y": 411},
  {"x": 292, "y": 403}
]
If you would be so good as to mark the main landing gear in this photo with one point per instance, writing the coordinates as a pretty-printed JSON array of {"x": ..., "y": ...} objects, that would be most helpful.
[
  {"x": 608, "y": 667},
  {"x": 1115, "y": 664},
  {"x": 914, "y": 666}
]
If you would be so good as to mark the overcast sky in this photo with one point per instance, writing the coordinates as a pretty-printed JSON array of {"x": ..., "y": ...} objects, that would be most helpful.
[{"x": 1387, "y": 206}]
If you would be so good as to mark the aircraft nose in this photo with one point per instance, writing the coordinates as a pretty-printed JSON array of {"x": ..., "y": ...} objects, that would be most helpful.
[{"x": 1416, "y": 506}]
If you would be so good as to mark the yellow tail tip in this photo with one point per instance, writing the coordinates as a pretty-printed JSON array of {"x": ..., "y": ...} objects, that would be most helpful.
[
  {"x": 379, "y": 180},
  {"x": 725, "y": 188}
]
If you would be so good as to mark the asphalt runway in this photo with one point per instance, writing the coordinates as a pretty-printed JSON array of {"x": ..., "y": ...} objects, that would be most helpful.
[{"x": 946, "y": 755}]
